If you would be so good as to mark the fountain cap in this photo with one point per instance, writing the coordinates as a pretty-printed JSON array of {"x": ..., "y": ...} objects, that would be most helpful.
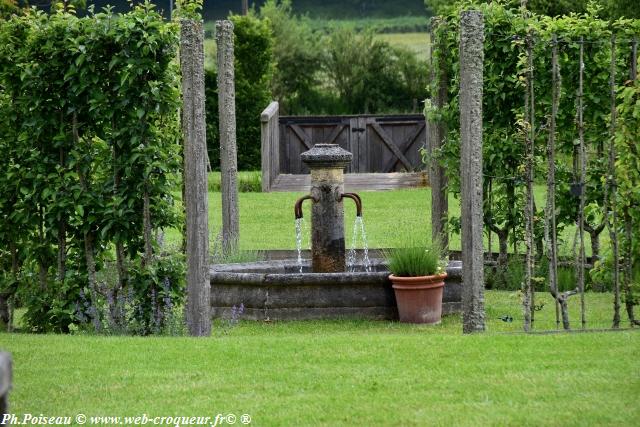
[{"x": 326, "y": 156}]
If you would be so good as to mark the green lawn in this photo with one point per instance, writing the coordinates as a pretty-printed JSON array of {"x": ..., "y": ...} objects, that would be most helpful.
[
  {"x": 267, "y": 220},
  {"x": 339, "y": 373}
]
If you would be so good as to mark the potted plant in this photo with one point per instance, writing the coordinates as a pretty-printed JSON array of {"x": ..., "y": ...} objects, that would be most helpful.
[{"x": 417, "y": 276}]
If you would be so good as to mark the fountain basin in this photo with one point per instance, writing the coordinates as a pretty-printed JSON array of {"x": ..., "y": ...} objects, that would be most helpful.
[{"x": 276, "y": 290}]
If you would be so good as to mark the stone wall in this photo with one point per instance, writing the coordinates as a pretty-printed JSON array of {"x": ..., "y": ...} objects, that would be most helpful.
[{"x": 275, "y": 290}]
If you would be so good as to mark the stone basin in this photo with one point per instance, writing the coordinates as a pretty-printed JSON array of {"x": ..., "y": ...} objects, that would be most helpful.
[{"x": 276, "y": 290}]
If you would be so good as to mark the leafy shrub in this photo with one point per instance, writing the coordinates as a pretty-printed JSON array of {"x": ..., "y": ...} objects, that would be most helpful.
[
  {"x": 54, "y": 308},
  {"x": 89, "y": 172},
  {"x": 298, "y": 57},
  {"x": 156, "y": 289}
]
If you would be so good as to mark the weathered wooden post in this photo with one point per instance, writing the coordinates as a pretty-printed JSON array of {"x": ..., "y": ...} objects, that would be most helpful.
[
  {"x": 5, "y": 382},
  {"x": 228, "y": 151},
  {"x": 270, "y": 145},
  {"x": 437, "y": 132},
  {"x": 195, "y": 178},
  {"x": 471, "y": 60}
]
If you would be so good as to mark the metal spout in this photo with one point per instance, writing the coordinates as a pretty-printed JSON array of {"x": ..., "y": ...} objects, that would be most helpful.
[
  {"x": 356, "y": 198},
  {"x": 298, "y": 206}
]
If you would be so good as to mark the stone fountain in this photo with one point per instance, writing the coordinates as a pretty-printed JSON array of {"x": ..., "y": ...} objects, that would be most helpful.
[{"x": 322, "y": 288}]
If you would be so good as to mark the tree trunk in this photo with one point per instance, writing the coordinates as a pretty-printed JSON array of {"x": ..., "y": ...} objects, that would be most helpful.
[
  {"x": 5, "y": 316},
  {"x": 564, "y": 309},
  {"x": 5, "y": 310},
  {"x": 62, "y": 236},
  {"x": 594, "y": 235},
  {"x": 503, "y": 245},
  {"x": 437, "y": 133},
  {"x": 147, "y": 228},
  {"x": 62, "y": 249},
  {"x": 89, "y": 240},
  {"x": 121, "y": 266},
  {"x": 89, "y": 249},
  {"x": 42, "y": 265},
  {"x": 628, "y": 269}
]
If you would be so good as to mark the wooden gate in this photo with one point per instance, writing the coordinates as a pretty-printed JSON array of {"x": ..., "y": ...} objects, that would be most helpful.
[{"x": 387, "y": 146}]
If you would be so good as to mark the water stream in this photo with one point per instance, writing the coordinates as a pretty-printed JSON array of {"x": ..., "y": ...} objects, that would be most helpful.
[
  {"x": 299, "y": 225},
  {"x": 365, "y": 245},
  {"x": 358, "y": 229}
]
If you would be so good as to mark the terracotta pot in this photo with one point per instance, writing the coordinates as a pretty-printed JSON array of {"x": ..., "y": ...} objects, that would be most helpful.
[{"x": 419, "y": 299}]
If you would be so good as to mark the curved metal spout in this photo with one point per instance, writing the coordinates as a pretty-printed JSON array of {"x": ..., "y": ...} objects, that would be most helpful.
[
  {"x": 356, "y": 198},
  {"x": 298, "y": 206}
]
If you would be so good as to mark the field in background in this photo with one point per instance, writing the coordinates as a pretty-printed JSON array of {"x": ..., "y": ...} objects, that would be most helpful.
[
  {"x": 410, "y": 32},
  {"x": 417, "y": 43},
  {"x": 401, "y": 24}
]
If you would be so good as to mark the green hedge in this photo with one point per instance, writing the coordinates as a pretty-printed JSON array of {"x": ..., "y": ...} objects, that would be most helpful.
[{"x": 90, "y": 143}]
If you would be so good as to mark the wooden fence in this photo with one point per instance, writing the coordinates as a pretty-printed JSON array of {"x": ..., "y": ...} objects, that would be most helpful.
[{"x": 386, "y": 149}]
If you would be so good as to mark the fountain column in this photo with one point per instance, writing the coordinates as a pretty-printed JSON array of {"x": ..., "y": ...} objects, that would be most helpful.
[{"x": 327, "y": 163}]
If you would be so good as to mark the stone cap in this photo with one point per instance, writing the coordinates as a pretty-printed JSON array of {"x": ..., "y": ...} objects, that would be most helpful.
[{"x": 326, "y": 156}]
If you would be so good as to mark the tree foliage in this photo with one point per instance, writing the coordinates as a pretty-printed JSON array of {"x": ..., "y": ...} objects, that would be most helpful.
[
  {"x": 9, "y": 8},
  {"x": 339, "y": 73},
  {"x": 298, "y": 60},
  {"x": 89, "y": 133},
  {"x": 505, "y": 76},
  {"x": 371, "y": 76}
]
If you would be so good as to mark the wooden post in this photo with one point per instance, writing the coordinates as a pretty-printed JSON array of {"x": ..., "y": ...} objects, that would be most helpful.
[
  {"x": 529, "y": 117},
  {"x": 5, "y": 382},
  {"x": 269, "y": 141},
  {"x": 195, "y": 178},
  {"x": 437, "y": 134},
  {"x": 583, "y": 172},
  {"x": 628, "y": 232},
  {"x": 471, "y": 74},
  {"x": 551, "y": 229},
  {"x": 610, "y": 189},
  {"x": 228, "y": 150}
]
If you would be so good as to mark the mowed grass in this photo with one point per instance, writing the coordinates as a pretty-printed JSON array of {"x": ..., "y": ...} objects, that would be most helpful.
[
  {"x": 417, "y": 43},
  {"x": 391, "y": 217},
  {"x": 346, "y": 372}
]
